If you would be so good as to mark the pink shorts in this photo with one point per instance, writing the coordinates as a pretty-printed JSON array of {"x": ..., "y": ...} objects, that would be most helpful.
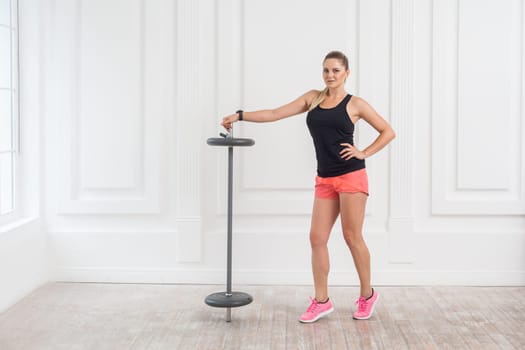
[{"x": 330, "y": 187}]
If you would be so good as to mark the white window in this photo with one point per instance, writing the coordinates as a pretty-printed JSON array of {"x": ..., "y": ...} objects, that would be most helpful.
[{"x": 9, "y": 117}]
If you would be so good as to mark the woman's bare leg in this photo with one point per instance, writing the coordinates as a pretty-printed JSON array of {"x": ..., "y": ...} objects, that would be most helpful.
[
  {"x": 352, "y": 207},
  {"x": 324, "y": 214}
]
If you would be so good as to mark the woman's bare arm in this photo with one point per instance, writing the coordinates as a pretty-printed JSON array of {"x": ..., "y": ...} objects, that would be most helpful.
[{"x": 297, "y": 106}]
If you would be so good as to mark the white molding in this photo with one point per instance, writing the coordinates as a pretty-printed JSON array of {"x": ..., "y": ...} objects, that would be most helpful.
[
  {"x": 195, "y": 98},
  {"x": 402, "y": 108},
  {"x": 401, "y": 219},
  {"x": 189, "y": 81}
]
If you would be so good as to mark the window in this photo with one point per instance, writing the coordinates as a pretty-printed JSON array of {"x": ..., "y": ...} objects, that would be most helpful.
[{"x": 8, "y": 107}]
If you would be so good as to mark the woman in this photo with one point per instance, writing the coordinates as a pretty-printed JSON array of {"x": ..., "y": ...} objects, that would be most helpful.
[{"x": 341, "y": 185}]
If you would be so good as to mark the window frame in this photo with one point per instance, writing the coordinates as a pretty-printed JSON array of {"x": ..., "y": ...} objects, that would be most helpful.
[{"x": 14, "y": 213}]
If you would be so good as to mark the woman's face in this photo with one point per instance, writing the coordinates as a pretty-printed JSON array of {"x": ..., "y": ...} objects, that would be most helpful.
[{"x": 334, "y": 72}]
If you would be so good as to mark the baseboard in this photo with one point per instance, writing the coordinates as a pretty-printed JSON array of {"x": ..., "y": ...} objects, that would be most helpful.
[{"x": 270, "y": 277}]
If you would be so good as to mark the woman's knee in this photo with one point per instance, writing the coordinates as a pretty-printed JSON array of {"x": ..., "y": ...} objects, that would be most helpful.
[
  {"x": 318, "y": 239},
  {"x": 353, "y": 238}
]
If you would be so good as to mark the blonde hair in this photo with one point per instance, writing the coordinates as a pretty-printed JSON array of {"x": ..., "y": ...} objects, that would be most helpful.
[
  {"x": 319, "y": 99},
  {"x": 322, "y": 95}
]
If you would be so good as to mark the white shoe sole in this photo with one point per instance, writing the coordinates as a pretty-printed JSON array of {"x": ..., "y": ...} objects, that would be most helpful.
[
  {"x": 321, "y": 315},
  {"x": 371, "y": 311}
]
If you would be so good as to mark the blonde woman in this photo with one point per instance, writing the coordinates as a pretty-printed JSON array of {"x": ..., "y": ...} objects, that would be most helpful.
[{"x": 341, "y": 184}]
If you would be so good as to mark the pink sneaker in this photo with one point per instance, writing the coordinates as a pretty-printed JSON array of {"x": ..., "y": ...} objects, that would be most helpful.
[
  {"x": 365, "y": 307},
  {"x": 316, "y": 310}
]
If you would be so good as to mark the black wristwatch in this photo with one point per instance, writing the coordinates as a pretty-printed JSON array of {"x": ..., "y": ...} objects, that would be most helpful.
[{"x": 239, "y": 112}]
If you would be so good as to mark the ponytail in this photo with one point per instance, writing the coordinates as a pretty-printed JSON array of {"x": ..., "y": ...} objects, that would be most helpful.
[{"x": 319, "y": 99}]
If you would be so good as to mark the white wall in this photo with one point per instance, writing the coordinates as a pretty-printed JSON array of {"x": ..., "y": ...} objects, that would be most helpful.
[
  {"x": 133, "y": 89},
  {"x": 24, "y": 261}
]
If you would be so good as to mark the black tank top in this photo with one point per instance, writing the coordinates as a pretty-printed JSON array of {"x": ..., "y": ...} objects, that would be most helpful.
[{"x": 329, "y": 128}]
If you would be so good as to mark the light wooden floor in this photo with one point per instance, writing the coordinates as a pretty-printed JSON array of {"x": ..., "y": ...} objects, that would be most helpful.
[{"x": 120, "y": 316}]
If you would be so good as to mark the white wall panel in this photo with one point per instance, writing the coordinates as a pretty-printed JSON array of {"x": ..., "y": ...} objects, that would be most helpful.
[
  {"x": 272, "y": 67},
  {"x": 108, "y": 112},
  {"x": 110, "y": 89},
  {"x": 282, "y": 62},
  {"x": 107, "y": 100},
  {"x": 477, "y": 128},
  {"x": 489, "y": 115}
]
